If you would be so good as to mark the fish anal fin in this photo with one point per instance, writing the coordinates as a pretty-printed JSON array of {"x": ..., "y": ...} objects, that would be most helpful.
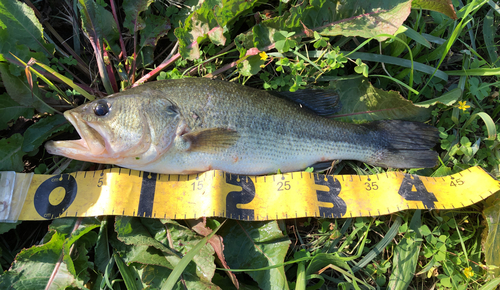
[{"x": 210, "y": 140}]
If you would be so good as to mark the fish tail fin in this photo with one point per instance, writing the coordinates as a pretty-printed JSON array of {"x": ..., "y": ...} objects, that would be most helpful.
[{"x": 405, "y": 144}]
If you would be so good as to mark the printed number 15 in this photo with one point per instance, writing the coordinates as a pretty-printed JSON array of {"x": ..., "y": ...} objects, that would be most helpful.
[{"x": 197, "y": 185}]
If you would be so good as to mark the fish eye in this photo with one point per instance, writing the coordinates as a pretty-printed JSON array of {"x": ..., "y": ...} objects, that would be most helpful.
[
  {"x": 101, "y": 108},
  {"x": 172, "y": 110}
]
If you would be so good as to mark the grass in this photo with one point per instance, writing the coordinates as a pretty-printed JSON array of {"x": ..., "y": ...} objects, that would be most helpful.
[{"x": 448, "y": 69}]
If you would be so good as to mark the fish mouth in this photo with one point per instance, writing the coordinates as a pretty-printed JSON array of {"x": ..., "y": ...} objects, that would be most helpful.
[{"x": 90, "y": 147}]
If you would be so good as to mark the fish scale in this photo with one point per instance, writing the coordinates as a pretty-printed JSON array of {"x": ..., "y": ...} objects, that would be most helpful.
[{"x": 196, "y": 124}]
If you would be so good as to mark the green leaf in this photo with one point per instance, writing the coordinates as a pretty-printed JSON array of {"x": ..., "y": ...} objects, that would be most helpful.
[
  {"x": 441, "y": 6},
  {"x": 11, "y": 155},
  {"x": 34, "y": 266},
  {"x": 406, "y": 255},
  {"x": 492, "y": 242},
  {"x": 184, "y": 240},
  {"x": 352, "y": 18},
  {"x": 411, "y": 33},
  {"x": 448, "y": 99},
  {"x": 98, "y": 23},
  {"x": 66, "y": 80},
  {"x": 146, "y": 243},
  {"x": 11, "y": 110},
  {"x": 133, "y": 22},
  {"x": 251, "y": 65},
  {"x": 42, "y": 130},
  {"x": 491, "y": 285},
  {"x": 84, "y": 239},
  {"x": 397, "y": 61},
  {"x": 361, "y": 102},
  {"x": 132, "y": 231},
  {"x": 5, "y": 227},
  {"x": 156, "y": 28},
  {"x": 18, "y": 88},
  {"x": 283, "y": 42},
  {"x": 254, "y": 245},
  {"x": 181, "y": 266},
  {"x": 322, "y": 260},
  {"x": 102, "y": 251},
  {"x": 489, "y": 31},
  {"x": 19, "y": 25},
  {"x": 128, "y": 274},
  {"x": 488, "y": 121},
  {"x": 210, "y": 21}
]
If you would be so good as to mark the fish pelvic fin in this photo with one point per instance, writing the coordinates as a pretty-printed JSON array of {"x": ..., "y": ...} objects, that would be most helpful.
[
  {"x": 405, "y": 144},
  {"x": 210, "y": 140}
]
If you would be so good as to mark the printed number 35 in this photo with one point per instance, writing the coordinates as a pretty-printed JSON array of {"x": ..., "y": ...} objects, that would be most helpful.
[{"x": 371, "y": 185}]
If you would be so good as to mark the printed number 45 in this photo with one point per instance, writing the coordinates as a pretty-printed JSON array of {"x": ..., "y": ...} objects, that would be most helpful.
[{"x": 456, "y": 182}]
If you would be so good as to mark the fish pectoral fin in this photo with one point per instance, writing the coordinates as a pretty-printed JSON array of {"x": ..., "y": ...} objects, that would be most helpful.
[{"x": 210, "y": 140}]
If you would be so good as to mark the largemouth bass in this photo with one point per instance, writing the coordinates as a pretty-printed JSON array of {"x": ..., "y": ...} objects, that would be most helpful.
[{"x": 196, "y": 124}]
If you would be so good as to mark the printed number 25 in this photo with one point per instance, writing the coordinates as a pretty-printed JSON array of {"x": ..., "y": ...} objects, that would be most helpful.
[{"x": 284, "y": 185}]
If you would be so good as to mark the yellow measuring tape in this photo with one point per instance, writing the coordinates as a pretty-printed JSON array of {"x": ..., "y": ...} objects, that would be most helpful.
[{"x": 218, "y": 194}]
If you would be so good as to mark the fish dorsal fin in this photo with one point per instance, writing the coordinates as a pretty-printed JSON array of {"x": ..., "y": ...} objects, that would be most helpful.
[
  {"x": 210, "y": 140},
  {"x": 321, "y": 102}
]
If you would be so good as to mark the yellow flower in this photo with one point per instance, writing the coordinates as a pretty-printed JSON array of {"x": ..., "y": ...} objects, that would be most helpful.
[
  {"x": 463, "y": 105},
  {"x": 468, "y": 272},
  {"x": 263, "y": 55}
]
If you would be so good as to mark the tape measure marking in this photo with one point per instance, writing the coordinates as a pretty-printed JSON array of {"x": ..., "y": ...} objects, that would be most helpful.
[{"x": 133, "y": 193}]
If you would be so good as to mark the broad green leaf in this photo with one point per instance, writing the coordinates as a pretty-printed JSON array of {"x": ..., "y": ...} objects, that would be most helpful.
[
  {"x": 251, "y": 65},
  {"x": 5, "y": 227},
  {"x": 19, "y": 25},
  {"x": 210, "y": 21},
  {"x": 448, "y": 99},
  {"x": 156, "y": 277},
  {"x": 184, "y": 240},
  {"x": 361, "y": 18},
  {"x": 132, "y": 231},
  {"x": 188, "y": 257},
  {"x": 406, "y": 255},
  {"x": 133, "y": 21},
  {"x": 441, "y": 6},
  {"x": 492, "y": 241},
  {"x": 42, "y": 130},
  {"x": 361, "y": 102},
  {"x": 252, "y": 245},
  {"x": 147, "y": 242},
  {"x": 83, "y": 238},
  {"x": 330, "y": 18},
  {"x": 11, "y": 110},
  {"x": 11, "y": 155},
  {"x": 96, "y": 19},
  {"x": 18, "y": 88},
  {"x": 156, "y": 28},
  {"x": 34, "y": 266}
]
